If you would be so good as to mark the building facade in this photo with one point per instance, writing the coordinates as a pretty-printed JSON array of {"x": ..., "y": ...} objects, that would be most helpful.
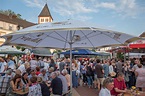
[{"x": 10, "y": 23}]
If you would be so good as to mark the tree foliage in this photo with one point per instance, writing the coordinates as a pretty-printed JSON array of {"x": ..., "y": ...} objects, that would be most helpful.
[
  {"x": 57, "y": 51},
  {"x": 8, "y": 12},
  {"x": 19, "y": 47},
  {"x": 120, "y": 55}
]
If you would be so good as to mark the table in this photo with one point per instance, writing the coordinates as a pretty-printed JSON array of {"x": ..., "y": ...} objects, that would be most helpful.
[
  {"x": 20, "y": 92},
  {"x": 129, "y": 94}
]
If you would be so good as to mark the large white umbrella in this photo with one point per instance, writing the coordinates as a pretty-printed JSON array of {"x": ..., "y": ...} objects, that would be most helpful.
[
  {"x": 61, "y": 34},
  {"x": 68, "y": 34}
]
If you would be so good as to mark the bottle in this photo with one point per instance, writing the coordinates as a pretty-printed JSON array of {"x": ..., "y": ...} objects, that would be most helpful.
[{"x": 23, "y": 88}]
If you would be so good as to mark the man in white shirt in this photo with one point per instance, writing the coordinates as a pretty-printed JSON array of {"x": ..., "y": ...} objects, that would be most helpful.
[
  {"x": 11, "y": 64},
  {"x": 135, "y": 65},
  {"x": 40, "y": 63},
  {"x": 3, "y": 65},
  {"x": 46, "y": 65},
  {"x": 43, "y": 75},
  {"x": 107, "y": 87},
  {"x": 21, "y": 61},
  {"x": 24, "y": 67},
  {"x": 64, "y": 82},
  {"x": 33, "y": 63}
]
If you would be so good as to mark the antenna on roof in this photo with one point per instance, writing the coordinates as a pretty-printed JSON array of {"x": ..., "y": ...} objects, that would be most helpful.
[{"x": 45, "y": 1}]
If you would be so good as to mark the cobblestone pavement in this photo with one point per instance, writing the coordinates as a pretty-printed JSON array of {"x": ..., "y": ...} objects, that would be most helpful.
[{"x": 85, "y": 91}]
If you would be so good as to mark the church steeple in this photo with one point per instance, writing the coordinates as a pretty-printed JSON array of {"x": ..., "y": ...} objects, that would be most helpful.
[{"x": 45, "y": 15}]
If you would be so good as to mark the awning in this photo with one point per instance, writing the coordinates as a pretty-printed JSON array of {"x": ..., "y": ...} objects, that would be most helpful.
[
  {"x": 80, "y": 52},
  {"x": 137, "y": 46}
]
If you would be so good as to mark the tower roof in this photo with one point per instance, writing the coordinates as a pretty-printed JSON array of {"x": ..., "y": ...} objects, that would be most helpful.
[{"x": 45, "y": 12}]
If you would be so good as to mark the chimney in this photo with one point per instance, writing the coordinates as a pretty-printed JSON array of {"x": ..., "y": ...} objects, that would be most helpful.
[{"x": 11, "y": 16}]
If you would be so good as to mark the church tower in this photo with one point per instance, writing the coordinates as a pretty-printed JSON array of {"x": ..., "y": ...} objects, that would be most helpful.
[{"x": 45, "y": 15}]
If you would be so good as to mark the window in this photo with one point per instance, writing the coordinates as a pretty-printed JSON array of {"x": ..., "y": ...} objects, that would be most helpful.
[
  {"x": 10, "y": 27},
  {"x": 46, "y": 20},
  {"x": 42, "y": 20}
]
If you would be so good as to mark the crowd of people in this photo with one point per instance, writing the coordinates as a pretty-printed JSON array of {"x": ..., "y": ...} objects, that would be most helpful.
[{"x": 44, "y": 76}]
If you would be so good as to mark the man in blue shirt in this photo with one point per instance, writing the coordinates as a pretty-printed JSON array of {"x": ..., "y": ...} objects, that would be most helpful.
[
  {"x": 106, "y": 69},
  {"x": 11, "y": 64}
]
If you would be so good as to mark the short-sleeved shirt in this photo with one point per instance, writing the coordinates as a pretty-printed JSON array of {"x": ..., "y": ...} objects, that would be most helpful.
[
  {"x": 11, "y": 64},
  {"x": 44, "y": 77},
  {"x": 98, "y": 69},
  {"x": 135, "y": 67},
  {"x": 118, "y": 84},
  {"x": 119, "y": 66},
  {"x": 4, "y": 83},
  {"x": 3, "y": 64},
  {"x": 64, "y": 84},
  {"x": 22, "y": 68},
  {"x": 104, "y": 92},
  {"x": 35, "y": 90},
  {"x": 40, "y": 63},
  {"x": 106, "y": 69},
  {"x": 33, "y": 64},
  {"x": 46, "y": 66},
  {"x": 140, "y": 81}
]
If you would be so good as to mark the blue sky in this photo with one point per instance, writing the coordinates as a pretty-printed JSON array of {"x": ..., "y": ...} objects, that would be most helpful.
[{"x": 126, "y": 16}]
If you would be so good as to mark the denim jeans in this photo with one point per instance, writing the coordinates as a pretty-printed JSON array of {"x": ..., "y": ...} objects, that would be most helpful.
[
  {"x": 90, "y": 80},
  {"x": 74, "y": 79}
]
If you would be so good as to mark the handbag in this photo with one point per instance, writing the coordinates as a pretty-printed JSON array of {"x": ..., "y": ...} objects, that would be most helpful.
[{"x": 113, "y": 74}]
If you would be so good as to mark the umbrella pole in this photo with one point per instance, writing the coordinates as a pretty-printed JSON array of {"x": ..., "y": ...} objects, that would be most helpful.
[
  {"x": 124, "y": 55},
  {"x": 70, "y": 43}
]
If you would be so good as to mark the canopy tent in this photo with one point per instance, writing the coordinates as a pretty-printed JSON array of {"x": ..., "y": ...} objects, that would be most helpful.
[
  {"x": 10, "y": 50},
  {"x": 80, "y": 52},
  {"x": 86, "y": 52}
]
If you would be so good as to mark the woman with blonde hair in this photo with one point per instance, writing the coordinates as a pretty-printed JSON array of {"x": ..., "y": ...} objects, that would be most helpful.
[
  {"x": 74, "y": 74},
  {"x": 74, "y": 65}
]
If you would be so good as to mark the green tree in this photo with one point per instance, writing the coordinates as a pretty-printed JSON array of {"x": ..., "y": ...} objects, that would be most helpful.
[
  {"x": 8, "y": 12},
  {"x": 93, "y": 50},
  {"x": 57, "y": 51},
  {"x": 120, "y": 55},
  {"x": 18, "y": 15},
  {"x": 19, "y": 47}
]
